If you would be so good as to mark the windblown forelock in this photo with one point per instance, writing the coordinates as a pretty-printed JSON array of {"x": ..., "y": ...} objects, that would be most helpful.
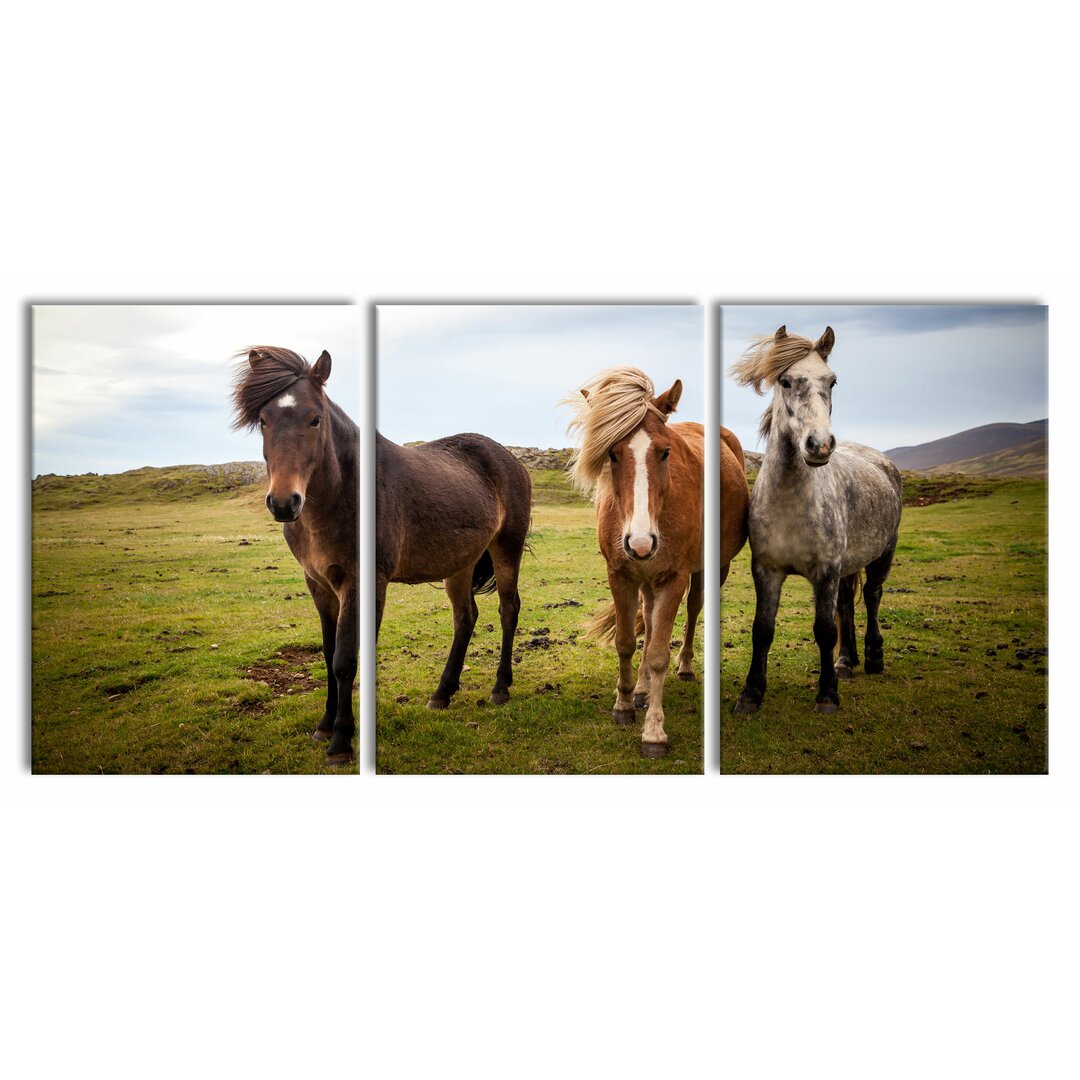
[
  {"x": 767, "y": 359},
  {"x": 253, "y": 386},
  {"x": 618, "y": 401}
]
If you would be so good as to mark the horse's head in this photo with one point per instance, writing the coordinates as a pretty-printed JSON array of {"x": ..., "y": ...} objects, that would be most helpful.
[
  {"x": 638, "y": 466},
  {"x": 293, "y": 424},
  {"x": 802, "y": 401}
]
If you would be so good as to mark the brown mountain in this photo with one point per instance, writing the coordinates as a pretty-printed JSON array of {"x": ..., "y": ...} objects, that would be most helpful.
[{"x": 1003, "y": 442}]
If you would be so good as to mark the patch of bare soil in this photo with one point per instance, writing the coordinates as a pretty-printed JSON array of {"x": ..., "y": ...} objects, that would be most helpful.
[{"x": 290, "y": 674}]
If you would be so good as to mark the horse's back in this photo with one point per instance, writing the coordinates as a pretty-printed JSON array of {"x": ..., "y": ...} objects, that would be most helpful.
[
  {"x": 693, "y": 434},
  {"x": 442, "y": 502},
  {"x": 872, "y": 467},
  {"x": 874, "y": 498},
  {"x": 734, "y": 497},
  {"x": 729, "y": 440}
]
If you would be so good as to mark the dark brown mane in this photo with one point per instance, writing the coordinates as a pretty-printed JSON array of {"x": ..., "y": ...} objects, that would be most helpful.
[{"x": 274, "y": 371}]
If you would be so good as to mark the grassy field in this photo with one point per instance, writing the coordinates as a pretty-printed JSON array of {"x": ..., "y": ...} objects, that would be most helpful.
[
  {"x": 558, "y": 719},
  {"x": 172, "y": 631},
  {"x": 964, "y": 616}
]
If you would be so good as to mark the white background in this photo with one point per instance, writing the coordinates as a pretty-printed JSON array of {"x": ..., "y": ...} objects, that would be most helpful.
[{"x": 539, "y": 926}]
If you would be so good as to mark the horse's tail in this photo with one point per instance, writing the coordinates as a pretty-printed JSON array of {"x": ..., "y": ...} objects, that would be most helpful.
[
  {"x": 854, "y": 597},
  {"x": 602, "y": 625},
  {"x": 483, "y": 575}
]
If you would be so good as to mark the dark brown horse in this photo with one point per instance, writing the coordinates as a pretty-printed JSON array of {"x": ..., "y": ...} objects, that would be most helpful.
[
  {"x": 311, "y": 450},
  {"x": 455, "y": 510},
  {"x": 734, "y": 500}
]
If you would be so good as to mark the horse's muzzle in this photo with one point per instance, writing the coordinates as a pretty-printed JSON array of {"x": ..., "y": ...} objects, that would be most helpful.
[
  {"x": 285, "y": 509},
  {"x": 818, "y": 453},
  {"x": 634, "y": 550}
]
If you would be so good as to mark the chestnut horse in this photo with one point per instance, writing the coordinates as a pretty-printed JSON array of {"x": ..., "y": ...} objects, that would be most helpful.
[
  {"x": 821, "y": 509},
  {"x": 734, "y": 500},
  {"x": 311, "y": 449},
  {"x": 454, "y": 510},
  {"x": 646, "y": 477}
]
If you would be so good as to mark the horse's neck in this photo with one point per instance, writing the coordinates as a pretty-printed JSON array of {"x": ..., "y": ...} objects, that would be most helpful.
[
  {"x": 780, "y": 466},
  {"x": 339, "y": 464}
]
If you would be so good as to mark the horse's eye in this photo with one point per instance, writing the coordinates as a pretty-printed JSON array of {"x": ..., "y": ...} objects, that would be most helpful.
[
  {"x": 785, "y": 383},
  {"x": 262, "y": 424},
  {"x": 612, "y": 458},
  {"x": 832, "y": 385},
  {"x": 664, "y": 454},
  {"x": 316, "y": 421}
]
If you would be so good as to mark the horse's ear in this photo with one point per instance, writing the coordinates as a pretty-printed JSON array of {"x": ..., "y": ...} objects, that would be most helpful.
[
  {"x": 255, "y": 356},
  {"x": 321, "y": 371},
  {"x": 667, "y": 401},
  {"x": 585, "y": 394},
  {"x": 781, "y": 333},
  {"x": 825, "y": 343}
]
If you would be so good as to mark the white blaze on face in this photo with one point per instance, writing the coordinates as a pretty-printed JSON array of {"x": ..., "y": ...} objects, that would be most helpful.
[
  {"x": 286, "y": 401},
  {"x": 640, "y": 528}
]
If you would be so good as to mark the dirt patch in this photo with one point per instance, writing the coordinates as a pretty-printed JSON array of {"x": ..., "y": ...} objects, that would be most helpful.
[
  {"x": 920, "y": 490},
  {"x": 289, "y": 674}
]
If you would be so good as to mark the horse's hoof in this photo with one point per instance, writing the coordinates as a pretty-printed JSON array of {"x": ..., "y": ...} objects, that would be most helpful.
[
  {"x": 653, "y": 749},
  {"x": 623, "y": 716},
  {"x": 687, "y": 676},
  {"x": 344, "y": 758},
  {"x": 438, "y": 703},
  {"x": 844, "y": 672},
  {"x": 826, "y": 706},
  {"x": 874, "y": 667},
  {"x": 499, "y": 697},
  {"x": 318, "y": 735},
  {"x": 747, "y": 705},
  {"x": 641, "y": 701}
]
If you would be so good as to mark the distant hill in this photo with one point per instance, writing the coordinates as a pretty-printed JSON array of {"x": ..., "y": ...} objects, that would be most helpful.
[
  {"x": 177, "y": 483},
  {"x": 982, "y": 449},
  {"x": 173, "y": 483},
  {"x": 1030, "y": 460}
]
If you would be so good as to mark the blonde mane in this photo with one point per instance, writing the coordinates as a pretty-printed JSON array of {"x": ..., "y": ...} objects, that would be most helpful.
[
  {"x": 606, "y": 409},
  {"x": 768, "y": 358}
]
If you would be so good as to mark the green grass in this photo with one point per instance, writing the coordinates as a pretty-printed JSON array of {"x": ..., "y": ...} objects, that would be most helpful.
[
  {"x": 150, "y": 608},
  {"x": 558, "y": 719},
  {"x": 964, "y": 616}
]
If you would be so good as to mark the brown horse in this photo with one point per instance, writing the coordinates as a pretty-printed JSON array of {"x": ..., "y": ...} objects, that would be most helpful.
[
  {"x": 311, "y": 450},
  {"x": 455, "y": 510},
  {"x": 734, "y": 500},
  {"x": 647, "y": 480}
]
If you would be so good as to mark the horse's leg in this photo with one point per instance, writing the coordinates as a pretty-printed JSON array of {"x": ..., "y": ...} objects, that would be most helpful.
[
  {"x": 876, "y": 573},
  {"x": 825, "y": 589},
  {"x": 459, "y": 590},
  {"x": 767, "y": 585},
  {"x": 626, "y": 597},
  {"x": 845, "y": 614},
  {"x": 344, "y": 675},
  {"x": 506, "y": 559},
  {"x": 694, "y": 600},
  {"x": 641, "y": 687},
  {"x": 326, "y": 603},
  {"x": 380, "y": 602},
  {"x": 658, "y": 658},
  {"x": 724, "y": 573}
]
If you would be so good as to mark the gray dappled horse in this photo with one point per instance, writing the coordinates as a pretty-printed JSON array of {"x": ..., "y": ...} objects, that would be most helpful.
[{"x": 819, "y": 508}]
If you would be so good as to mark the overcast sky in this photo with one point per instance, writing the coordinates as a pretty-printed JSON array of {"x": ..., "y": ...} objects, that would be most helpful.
[
  {"x": 906, "y": 374},
  {"x": 119, "y": 387},
  {"x": 501, "y": 370}
]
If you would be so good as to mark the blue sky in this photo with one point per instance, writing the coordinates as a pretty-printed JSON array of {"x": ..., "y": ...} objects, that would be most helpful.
[
  {"x": 118, "y": 387},
  {"x": 501, "y": 370},
  {"x": 906, "y": 374}
]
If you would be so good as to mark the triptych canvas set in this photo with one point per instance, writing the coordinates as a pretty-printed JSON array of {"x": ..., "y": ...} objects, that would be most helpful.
[{"x": 535, "y": 538}]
